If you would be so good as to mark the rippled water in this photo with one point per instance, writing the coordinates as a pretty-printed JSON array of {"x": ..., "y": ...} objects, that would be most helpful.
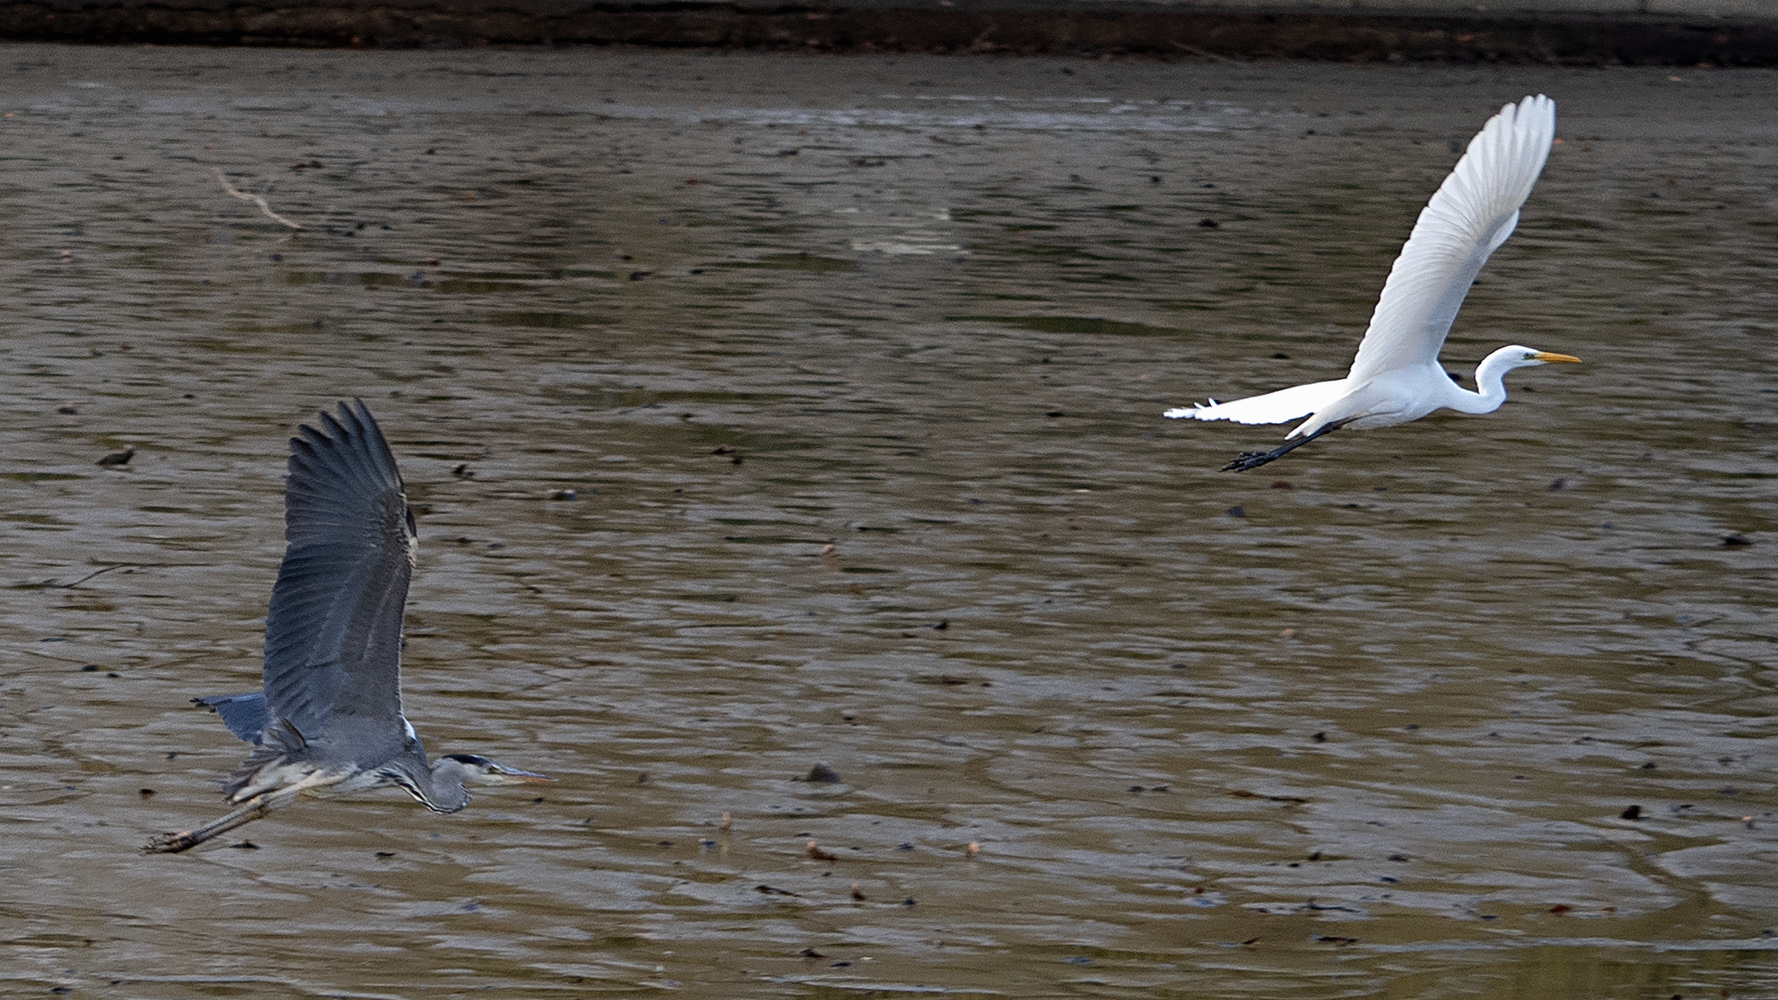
[{"x": 855, "y": 367}]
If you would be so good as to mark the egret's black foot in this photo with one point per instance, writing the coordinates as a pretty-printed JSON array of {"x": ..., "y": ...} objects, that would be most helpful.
[{"x": 1253, "y": 460}]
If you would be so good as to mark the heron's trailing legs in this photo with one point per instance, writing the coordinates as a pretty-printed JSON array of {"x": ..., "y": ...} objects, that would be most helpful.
[
  {"x": 1255, "y": 459},
  {"x": 255, "y": 807}
]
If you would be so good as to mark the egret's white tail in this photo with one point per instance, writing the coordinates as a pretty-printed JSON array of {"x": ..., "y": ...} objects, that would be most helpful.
[{"x": 1272, "y": 408}]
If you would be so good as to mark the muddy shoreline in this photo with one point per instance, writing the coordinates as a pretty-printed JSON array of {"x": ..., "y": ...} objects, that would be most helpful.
[{"x": 1555, "y": 39}]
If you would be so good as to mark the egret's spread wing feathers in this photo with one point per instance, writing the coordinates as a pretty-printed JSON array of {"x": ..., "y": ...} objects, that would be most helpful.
[
  {"x": 333, "y": 634},
  {"x": 1272, "y": 408},
  {"x": 1473, "y": 212}
]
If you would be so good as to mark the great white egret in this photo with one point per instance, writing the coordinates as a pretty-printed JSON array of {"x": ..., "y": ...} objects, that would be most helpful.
[{"x": 1396, "y": 376}]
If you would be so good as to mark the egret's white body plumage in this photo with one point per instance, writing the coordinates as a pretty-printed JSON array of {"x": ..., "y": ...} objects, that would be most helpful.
[{"x": 1396, "y": 376}]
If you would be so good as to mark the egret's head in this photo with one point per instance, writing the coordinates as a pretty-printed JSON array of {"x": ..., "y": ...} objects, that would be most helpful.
[
  {"x": 479, "y": 770},
  {"x": 1522, "y": 356}
]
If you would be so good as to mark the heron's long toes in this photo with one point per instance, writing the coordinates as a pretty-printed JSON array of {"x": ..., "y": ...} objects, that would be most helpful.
[{"x": 169, "y": 843}]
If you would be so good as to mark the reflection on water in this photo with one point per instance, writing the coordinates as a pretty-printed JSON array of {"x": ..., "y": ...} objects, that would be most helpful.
[{"x": 855, "y": 369}]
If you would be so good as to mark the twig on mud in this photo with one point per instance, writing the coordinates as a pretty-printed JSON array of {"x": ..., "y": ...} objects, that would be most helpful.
[
  {"x": 255, "y": 199},
  {"x": 1205, "y": 53},
  {"x": 51, "y": 583}
]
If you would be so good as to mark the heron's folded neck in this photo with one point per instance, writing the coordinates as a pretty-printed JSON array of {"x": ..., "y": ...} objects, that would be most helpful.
[{"x": 438, "y": 786}]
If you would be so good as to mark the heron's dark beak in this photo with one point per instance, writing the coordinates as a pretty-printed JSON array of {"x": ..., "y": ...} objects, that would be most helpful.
[
  {"x": 1546, "y": 357},
  {"x": 499, "y": 775}
]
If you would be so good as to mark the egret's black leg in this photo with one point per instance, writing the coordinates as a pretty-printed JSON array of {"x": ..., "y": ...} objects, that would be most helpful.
[{"x": 1255, "y": 459}]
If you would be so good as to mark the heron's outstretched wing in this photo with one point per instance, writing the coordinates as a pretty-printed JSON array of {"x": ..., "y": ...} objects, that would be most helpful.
[
  {"x": 245, "y": 715},
  {"x": 333, "y": 634},
  {"x": 1473, "y": 212}
]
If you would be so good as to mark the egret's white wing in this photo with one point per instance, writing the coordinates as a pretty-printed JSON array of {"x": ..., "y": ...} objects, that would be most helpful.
[
  {"x": 333, "y": 634},
  {"x": 1271, "y": 408},
  {"x": 1473, "y": 212}
]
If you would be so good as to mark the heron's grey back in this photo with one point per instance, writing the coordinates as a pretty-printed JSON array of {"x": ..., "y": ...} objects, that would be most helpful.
[{"x": 333, "y": 633}]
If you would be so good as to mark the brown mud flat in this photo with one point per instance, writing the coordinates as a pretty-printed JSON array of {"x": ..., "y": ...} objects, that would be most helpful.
[
  {"x": 868, "y": 469},
  {"x": 1569, "y": 39}
]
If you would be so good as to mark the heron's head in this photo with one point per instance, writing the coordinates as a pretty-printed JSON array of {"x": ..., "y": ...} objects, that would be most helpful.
[{"x": 479, "y": 770}]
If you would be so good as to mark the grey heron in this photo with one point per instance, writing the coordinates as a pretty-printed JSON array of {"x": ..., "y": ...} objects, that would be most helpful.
[{"x": 328, "y": 720}]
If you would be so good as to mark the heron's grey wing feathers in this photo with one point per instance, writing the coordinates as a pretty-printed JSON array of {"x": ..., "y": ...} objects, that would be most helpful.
[
  {"x": 245, "y": 715},
  {"x": 333, "y": 634},
  {"x": 1473, "y": 212},
  {"x": 280, "y": 740}
]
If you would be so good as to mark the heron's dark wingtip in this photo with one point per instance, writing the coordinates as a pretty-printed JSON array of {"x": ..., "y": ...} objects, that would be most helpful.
[{"x": 342, "y": 452}]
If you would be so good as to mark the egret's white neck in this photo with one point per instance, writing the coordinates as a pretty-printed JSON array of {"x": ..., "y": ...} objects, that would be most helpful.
[{"x": 1490, "y": 379}]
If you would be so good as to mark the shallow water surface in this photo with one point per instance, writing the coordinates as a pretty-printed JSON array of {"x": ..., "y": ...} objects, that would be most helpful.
[{"x": 855, "y": 369}]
